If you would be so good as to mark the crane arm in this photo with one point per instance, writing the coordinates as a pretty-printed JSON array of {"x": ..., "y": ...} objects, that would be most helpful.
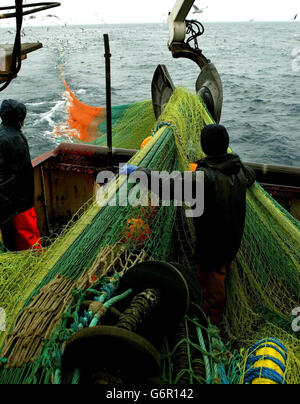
[
  {"x": 209, "y": 84},
  {"x": 176, "y": 21}
]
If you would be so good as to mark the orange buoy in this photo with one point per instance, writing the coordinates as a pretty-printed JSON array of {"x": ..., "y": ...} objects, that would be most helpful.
[
  {"x": 137, "y": 232},
  {"x": 146, "y": 141},
  {"x": 193, "y": 167}
]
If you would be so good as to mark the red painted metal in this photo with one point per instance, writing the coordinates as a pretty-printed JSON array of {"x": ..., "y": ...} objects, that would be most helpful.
[
  {"x": 43, "y": 158},
  {"x": 83, "y": 158},
  {"x": 89, "y": 150}
]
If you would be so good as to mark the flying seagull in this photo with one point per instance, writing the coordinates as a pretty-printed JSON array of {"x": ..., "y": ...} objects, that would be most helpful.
[
  {"x": 198, "y": 10},
  {"x": 52, "y": 16},
  {"x": 295, "y": 18}
]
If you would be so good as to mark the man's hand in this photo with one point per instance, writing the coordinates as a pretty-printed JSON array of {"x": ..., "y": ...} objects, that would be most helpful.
[{"x": 127, "y": 169}]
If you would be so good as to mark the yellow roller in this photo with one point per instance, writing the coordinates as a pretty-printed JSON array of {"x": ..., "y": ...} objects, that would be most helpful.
[{"x": 266, "y": 363}]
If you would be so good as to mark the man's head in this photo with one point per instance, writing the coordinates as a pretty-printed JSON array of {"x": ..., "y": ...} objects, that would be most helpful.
[
  {"x": 13, "y": 113},
  {"x": 214, "y": 140}
]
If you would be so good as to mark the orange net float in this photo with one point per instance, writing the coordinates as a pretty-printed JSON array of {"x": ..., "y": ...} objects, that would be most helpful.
[
  {"x": 146, "y": 141},
  {"x": 193, "y": 167},
  {"x": 137, "y": 232}
]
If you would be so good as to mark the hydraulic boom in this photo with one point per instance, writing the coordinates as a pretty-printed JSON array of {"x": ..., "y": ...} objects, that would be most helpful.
[
  {"x": 177, "y": 21},
  {"x": 183, "y": 33}
]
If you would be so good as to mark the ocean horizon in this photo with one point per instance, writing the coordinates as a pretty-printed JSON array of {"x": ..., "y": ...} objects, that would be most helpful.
[{"x": 259, "y": 63}]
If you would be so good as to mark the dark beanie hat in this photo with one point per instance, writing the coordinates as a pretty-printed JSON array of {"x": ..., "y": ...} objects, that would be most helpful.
[
  {"x": 214, "y": 140},
  {"x": 13, "y": 113}
]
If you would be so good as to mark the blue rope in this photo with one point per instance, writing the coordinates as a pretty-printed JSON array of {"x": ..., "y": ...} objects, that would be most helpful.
[
  {"x": 223, "y": 375},
  {"x": 262, "y": 345},
  {"x": 251, "y": 361},
  {"x": 89, "y": 319},
  {"x": 264, "y": 373},
  {"x": 117, "y": 299},
  {"x": 75, "y": 328},
  {"x": 266, "y": 341},
  {"x": 107, "y": 291},
  {"x": 94, "y": 322},
  {"x": 160, "y": 125}
]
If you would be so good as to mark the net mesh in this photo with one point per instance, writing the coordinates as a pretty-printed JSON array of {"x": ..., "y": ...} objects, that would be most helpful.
[{"x": 105, "y": 241}]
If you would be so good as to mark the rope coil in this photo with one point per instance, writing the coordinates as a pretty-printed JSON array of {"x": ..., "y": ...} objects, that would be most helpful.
[{"x": 266, "y": 363}]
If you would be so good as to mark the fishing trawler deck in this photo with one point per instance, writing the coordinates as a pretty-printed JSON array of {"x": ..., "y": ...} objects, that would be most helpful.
[{"x": 65, "y": 179}]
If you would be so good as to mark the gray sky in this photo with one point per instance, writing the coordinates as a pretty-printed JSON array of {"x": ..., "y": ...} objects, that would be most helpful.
[{"x": 129, "y": 11}]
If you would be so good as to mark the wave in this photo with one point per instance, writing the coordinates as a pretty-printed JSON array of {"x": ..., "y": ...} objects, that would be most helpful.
[
  {"x": 36, "y": 104},
  {"x": 49, "y": 116}
]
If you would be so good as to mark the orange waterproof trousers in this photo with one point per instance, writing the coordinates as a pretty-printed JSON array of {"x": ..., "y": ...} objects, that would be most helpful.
[
  {"x": 22, "y": 233},
  {"x": 213, "y": 284}
]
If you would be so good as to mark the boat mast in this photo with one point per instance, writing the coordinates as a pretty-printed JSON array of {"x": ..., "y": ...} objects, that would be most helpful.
[{"x": 108, "y": 96}]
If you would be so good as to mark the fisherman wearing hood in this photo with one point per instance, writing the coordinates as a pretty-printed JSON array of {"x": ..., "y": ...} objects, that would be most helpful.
[
  {"x": 17, "y": 217},
  {"x": 220, "y": 229}
]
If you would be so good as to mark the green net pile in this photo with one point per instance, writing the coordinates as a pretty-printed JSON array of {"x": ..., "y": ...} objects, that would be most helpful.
[
  {"x": 41, "y": 291},
  {"x": 127, "y": 130}
]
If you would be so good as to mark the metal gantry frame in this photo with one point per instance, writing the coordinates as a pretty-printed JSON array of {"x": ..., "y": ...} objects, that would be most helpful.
[
  {"x": 36, "y": 7},
  {"x": 183, "y": 34},
  {"x": 11, "y": 56}
]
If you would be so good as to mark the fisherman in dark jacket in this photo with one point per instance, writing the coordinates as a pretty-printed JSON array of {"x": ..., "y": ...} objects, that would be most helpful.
[
  {"x": 220, "y": 229},
  {"x": 17, "y": 218}
]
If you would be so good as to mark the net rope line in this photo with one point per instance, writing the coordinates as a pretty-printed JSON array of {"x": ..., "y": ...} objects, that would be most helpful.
[
  {"x": 92, "y": 214},
  {"x": 76, "y": 231},
  {"x": 286, "y": 225},
  {"x": 282, "y": 223},
  {"x": 115, "y": 186},
  {"x": 33, "y": 326},
  {"x": 255, "y": 272}
]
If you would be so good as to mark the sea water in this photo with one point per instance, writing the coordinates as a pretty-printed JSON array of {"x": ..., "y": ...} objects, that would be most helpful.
[{"x": 259, "y": 64}]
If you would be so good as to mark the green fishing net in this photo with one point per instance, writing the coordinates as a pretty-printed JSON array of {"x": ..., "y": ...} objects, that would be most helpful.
[{"x": 263, "y": 289}]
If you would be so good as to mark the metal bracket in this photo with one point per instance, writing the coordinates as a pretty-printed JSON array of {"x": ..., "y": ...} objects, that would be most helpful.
[
  {"x": 183, "y": 50},
  {"x": 17, "y": 53},
  {"x": 208, "y": 85},
  {"x": 210, "y": 88},
  {"x": 40, "y": 7},
  {"x": 162, "y": 89}
]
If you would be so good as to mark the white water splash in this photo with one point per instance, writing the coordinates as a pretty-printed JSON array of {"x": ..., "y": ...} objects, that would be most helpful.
[{"x": 50, "y": 115}]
